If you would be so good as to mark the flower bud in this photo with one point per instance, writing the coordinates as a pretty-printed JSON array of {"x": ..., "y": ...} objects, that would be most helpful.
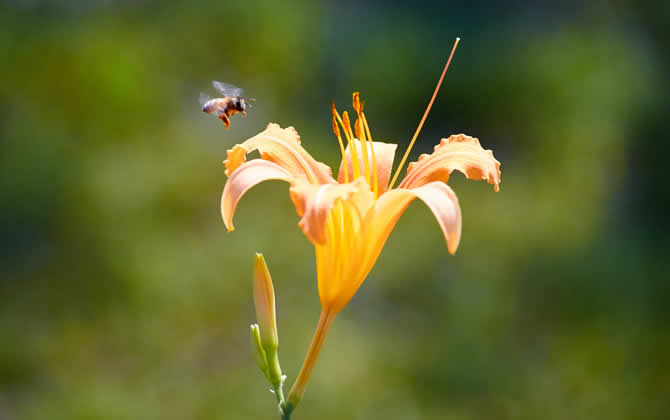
[{"x": 264, "y": 300}]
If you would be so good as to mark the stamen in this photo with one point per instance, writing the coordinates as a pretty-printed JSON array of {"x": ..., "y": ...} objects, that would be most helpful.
[
  {"x": 336, "y": 130},
  {"x": 361, "y": 136},
  {"x": 375, "y": 188},
  {"x": 346, "y": 125},
  {"x": 430, "y": 104},
  {"x": 354, "y": 153},
  {"x": 357, "y": 129}
]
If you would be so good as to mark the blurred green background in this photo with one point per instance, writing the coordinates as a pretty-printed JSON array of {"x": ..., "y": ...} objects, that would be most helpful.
[{"x": 123, "y": 297}]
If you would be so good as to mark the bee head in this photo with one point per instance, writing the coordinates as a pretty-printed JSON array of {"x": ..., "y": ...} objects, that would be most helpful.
[{"x": 240, "y": 104}]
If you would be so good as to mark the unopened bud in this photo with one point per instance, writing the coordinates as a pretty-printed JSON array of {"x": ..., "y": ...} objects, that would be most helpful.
[{"x": 264, "y": 300}]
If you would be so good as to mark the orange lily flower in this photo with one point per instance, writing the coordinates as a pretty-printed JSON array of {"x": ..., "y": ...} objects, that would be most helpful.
[
  {"x": 349, "y": 222},
  {"x": 349, "y": 219}
]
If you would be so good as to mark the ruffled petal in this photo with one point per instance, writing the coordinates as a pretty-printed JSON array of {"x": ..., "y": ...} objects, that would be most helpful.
[
  {"x": 315, "y": 202},
  {"x": 384, "y": 154},
  {"x": 281, "y": 146},
  {"x": 458, "y": 152},
  {"x": 242, "y": 179}
]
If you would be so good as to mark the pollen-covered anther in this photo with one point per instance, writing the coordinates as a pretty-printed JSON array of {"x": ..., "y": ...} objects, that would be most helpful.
[
  {"x": 336, "y": 129},
  {"x": 336, "y": 117},
  {"x": 356, "y": 102},
  {"x": 357, "y": 129},
  {"x": 346, "y": 122}
]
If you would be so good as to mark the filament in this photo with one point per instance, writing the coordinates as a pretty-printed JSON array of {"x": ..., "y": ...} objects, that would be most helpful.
[
  {"x": 375, "y": 188},
  {"x": 354, "y": 153},
  {"x": 361, "y": 136},
  {"x": 336, "y": 130}
]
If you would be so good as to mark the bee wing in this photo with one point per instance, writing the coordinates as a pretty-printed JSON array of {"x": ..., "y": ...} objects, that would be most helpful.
[
  {"x": 226, "y": 90},
  {"x": 203, "y": 99}
]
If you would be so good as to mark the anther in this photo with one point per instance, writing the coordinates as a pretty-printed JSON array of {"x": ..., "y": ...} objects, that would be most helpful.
[
  {"x": 357, "y": 129},
  {"x": 356, "y": 102},
  {"x": 347, "y": 123},
  {"x": 336, "y": 129}
]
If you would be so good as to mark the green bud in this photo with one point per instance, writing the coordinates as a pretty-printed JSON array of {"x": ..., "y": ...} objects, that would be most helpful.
[{"x": 258, "y": 351}]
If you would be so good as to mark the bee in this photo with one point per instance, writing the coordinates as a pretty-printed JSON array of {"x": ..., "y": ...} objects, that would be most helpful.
[{"x": 230, "y": 104}]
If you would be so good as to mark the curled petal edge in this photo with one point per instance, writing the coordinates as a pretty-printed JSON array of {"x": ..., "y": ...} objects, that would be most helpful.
[
  {"x": 282, "y": 147},
  {"x": 242, "y": 179},
  {"x": 458, "y": 152}
]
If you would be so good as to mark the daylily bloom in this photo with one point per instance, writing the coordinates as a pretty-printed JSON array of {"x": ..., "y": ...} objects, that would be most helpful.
[{"x": 349, "y": 219}]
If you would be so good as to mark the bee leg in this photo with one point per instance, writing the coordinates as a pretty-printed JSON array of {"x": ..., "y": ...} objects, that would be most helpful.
[
  {"x": 225, "y": 120},
  {"x": 244, "y": 113}
]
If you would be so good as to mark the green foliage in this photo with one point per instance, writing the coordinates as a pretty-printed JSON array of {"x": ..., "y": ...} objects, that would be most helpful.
[{"x": 122, "y": 296}]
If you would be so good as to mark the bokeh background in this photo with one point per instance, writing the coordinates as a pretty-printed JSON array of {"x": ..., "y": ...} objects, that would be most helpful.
[{"x": 123, "y": 297}]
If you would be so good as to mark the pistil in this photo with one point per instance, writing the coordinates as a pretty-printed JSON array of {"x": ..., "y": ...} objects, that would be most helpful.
[
  {"x": 347, "y": 134},
  {"x": 425, "y": 114}
]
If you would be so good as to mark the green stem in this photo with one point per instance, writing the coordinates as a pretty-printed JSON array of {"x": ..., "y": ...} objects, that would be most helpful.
[
  {"x": 276, "y": 378},
  {"x": 279, "y": 393},
  {"x": 275, "y": 374},
  {"x": 294, "y": 397}
]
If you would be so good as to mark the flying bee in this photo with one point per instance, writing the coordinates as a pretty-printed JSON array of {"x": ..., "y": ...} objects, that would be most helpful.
[{"x": 230, "y": 104}]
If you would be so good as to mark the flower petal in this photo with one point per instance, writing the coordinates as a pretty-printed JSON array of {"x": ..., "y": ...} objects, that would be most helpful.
[
  {"x": 315, "y": 202},
  {"x": 384, "y": 154},
  {"x": 438, "y": 196},
  {"x": 242, "y": 179},
  {"x": 281, "y": 146},
  {"x": 379, "y": 221},
  {"x": 334, "y": 260},
  {"x": 458, "y": 152}
]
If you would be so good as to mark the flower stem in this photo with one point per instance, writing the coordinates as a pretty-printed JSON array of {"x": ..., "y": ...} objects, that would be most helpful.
[
  {"x": 294, "y": 397},
  {"x": 276, "y": 379}
]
